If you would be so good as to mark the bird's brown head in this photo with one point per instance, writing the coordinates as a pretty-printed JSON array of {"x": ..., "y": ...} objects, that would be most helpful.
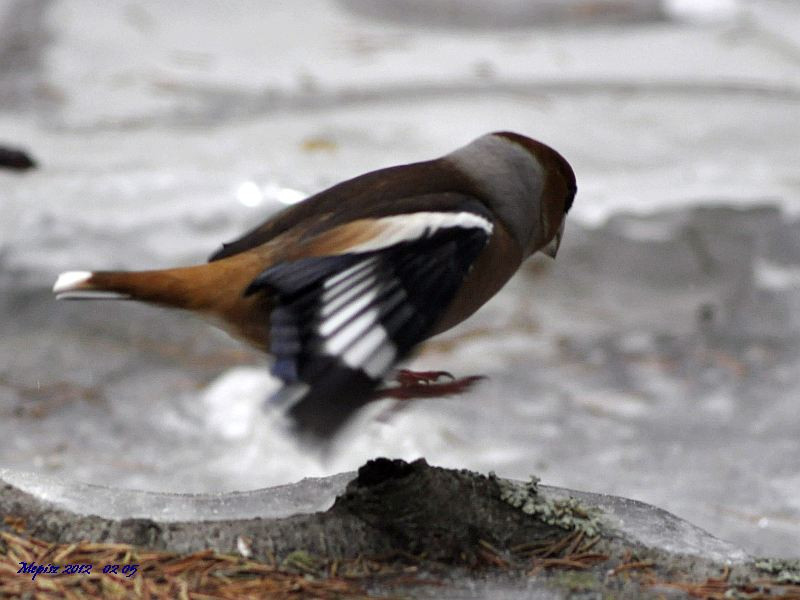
[
  {"x": 528, "y": 186},
  {"x": 554, "y": 197}
]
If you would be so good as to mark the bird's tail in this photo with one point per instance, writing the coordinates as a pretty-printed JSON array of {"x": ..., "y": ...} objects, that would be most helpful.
[
  {"x": 83, "y": 285},
  {"x": 158, "y": 287},
  {"x": 214, "y": 290},
  {"x": 168, "y": 287}
]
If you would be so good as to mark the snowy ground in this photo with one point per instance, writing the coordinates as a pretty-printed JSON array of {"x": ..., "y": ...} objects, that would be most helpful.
[{"x": 656, "y": 359}]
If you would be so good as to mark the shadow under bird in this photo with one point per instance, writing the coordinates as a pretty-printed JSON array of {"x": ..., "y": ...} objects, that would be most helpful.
[{"x": 342, "y": 286}]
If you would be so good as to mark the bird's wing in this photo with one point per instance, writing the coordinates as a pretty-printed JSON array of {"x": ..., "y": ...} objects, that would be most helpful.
[{"x": 342, "y": 318}]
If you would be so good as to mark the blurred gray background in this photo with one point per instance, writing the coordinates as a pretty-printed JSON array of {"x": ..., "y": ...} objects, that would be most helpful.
[{"x": 655, "y": 359}]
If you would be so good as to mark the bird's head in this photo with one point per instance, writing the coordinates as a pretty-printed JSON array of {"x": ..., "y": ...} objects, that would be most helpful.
[{"x": 528, "y": 185}]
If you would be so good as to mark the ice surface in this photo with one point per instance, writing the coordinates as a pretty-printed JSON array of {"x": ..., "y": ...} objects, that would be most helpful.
[
  {"x": 656, "y": 359},
  {"x": 636, "y": 521},
  {"x": 306, "y": 496},
  {"x": 656, "y": 528}
]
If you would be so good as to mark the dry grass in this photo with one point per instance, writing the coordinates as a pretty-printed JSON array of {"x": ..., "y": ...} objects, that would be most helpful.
[
  {"x": 722, "y": 588},
  {"x": 199, "y": 576}
]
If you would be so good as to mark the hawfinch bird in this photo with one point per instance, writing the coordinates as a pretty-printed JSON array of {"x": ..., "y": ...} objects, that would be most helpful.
[{"x": 341, "y": 287}]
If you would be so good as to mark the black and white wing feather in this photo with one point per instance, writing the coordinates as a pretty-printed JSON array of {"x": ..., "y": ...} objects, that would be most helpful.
[{"x": 342, "y": 321}]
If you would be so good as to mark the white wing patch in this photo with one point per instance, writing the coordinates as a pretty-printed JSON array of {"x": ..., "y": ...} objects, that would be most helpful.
[
  {"x": 343, "y": 312},
  {"x": 406, "y": 228},
  {"x": 350, "y": 332},
  {"x": 349, "y": 272},
  {"x": 349, "y": 318}
]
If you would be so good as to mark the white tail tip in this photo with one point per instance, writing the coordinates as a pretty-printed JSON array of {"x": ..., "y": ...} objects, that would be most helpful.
[
  {"x": 70, "y": 281},
  {"x": 70, "y": 286}
]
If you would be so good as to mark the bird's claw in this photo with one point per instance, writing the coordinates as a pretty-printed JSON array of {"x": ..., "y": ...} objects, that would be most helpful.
[
  {"x": 426, "y": 384},
  {"x": 406, "y": 377}
]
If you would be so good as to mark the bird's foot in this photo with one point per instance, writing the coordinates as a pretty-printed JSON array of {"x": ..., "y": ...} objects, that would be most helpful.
[
  {"x": 406, "y": 377},
  {"x": 426, "y": 384}
]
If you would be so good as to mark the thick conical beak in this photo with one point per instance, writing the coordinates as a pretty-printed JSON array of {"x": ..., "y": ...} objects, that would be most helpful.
[{"x": 551, "y": 249}]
